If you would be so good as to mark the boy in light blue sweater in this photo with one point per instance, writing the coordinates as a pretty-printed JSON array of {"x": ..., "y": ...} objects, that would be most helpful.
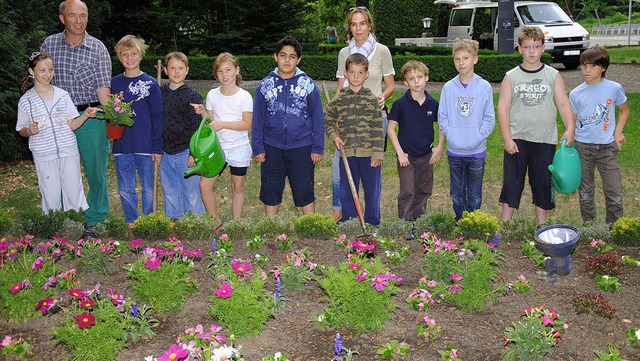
[{"x": 466, "y": 118}]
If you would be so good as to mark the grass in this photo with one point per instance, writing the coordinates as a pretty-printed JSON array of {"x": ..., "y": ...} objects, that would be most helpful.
[{"x": 19, "y": 188}]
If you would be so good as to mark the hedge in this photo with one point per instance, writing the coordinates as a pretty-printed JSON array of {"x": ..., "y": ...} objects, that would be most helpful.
[{"x": 323, "y": 67}]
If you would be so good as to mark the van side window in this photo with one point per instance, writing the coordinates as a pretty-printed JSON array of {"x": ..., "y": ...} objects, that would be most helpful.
[{"x": 461, "y": 17}]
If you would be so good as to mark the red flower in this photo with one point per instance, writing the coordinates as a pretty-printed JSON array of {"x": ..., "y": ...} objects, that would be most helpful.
[
  {"x": 45, "y": 305},
  {"x": 17, "y": 288},
  {"x": 76, "y": 293},
  {"x": 87, "y": 304},
  {"x": 86, "y": 319}
]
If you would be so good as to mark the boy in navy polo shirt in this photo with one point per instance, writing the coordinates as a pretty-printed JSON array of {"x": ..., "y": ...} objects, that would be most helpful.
[{"x": 415, "y": 113}]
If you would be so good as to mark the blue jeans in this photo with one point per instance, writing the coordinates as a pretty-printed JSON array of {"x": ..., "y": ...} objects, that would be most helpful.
[
  {"x": 466, "y": 183},
  {"x": 181, "y": 195},
  {"x": 371, "y": 177},
  {"x": 126, "y": 167},
  {"x": 335, "y": 182}
]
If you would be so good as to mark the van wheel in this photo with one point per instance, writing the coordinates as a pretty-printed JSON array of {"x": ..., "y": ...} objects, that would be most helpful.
[{"x": 571, "y": 65}]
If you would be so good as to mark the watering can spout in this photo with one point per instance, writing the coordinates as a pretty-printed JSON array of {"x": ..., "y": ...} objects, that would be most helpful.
[{"x": 195, "y": 170}]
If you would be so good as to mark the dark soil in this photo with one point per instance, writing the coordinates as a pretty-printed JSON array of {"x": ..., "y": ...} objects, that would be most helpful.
[{"x": 478, "y": 335}]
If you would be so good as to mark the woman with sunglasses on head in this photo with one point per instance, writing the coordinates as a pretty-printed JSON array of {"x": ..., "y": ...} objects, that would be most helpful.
[{"x": 359, "y": 25}]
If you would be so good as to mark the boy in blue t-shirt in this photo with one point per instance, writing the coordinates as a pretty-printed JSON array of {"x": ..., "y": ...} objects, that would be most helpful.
[
  {"x": 598, "y": 137},
  {"x": 415, "y": 113}
]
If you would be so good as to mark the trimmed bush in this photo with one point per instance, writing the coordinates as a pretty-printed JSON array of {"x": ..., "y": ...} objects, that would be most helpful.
[
  {"x": 238, "y": 229},
  {"x": 272, "y": 227},
  {"x": 154, "y": 226},
  {"x": 626, "y": 231},
  {"x": 477, "y": 225},
  {"x": 517, "y": 230},
  {"x": 441, "y": 223},
  {"x": 396, "y": 228},
  {"x": 315, "y": 225},
  {"x": 44, "y": 226},
  {"x": 594, "y": 230},
  {"x": 114, "y": 226},
  {"x": 195, "y": 227}
]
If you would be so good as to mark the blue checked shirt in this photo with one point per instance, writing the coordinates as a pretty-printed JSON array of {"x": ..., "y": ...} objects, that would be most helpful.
[{"x": 79, "y": 70}]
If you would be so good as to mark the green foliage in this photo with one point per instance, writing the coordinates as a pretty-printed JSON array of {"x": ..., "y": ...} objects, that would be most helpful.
[
  {"x": 19, "y": 306},
  {"x": 272, "y": 227},
  {"x": 403, "y": 19},
  {"x": 477, "y": 225},
  {"x": 342, "y": 287},
  {"x": 247, "y": 310},
  {"x": 155, "y": 226},
  {"x": 534, "y": 336},
  {"x": 517, "y": 230},
  {"x": 71, "y": 229},
  {"x": 608, "y": 284},
  {"x": 393, "y": 349},
  {"x": 441, "y": 223},
  {"x": 626, "y": 231},
  {"x": 40, "y": 225},
  {"x": 116, "y": 227},
  {"x": 297, "y": 271},
  {"x": 633, "y": 336},
  {"x": 92, "y": 259},
  {"x": 351, "y": 228},
  {"x": 195, "y": 227},
  {"x": 613, "y": 355},
  {"x": 19, "y": 347},
  {"x": 477, "y": 277},
  {"x": 239, "y": 228},
  {"x": 315, "y": 226},
  {"x": 395, "y": 228},
  {"x": 6, "y": 221},
  {"x": 594, "y": 230},
  {"x": 164, "y": 289}
]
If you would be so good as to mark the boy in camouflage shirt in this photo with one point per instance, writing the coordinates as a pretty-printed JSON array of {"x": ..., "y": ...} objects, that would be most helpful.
[{"x": 354, "y": 122}]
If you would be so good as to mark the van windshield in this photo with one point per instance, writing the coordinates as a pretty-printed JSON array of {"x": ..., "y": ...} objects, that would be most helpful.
[{"x": 543, "y": 14}]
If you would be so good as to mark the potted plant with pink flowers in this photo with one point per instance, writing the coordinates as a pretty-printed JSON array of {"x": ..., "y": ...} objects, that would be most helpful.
[{"x": 118, "y": 114}]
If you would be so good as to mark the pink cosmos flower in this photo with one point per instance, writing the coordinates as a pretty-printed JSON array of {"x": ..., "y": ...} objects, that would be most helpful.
[
  {"x": 76, "y": 293},
  {"x": 361, "y": 276},
  {"x": 85, "y": 320},
  {"x": 12, "y": 254},
  {"x": 432, "y": 283},
  {"x": 224, "y": 291},
  {"x": 456, "y": 288},
  {"x": 379, "y": 282},
  {"x": 135, "y": 243},
  {"x": 56, "y": 252},
  {"x": 45, "y": 305},
  {"x": 116, "y": 299},
  {"x": 38, "y": 263},
  {"x": 87, "y": 304},
  {"x": 355, "y": 266},
  {"x": 152, "y": 263},
  {"x": 50, "y": 283},
  {"x": 215, "y": 328},
  {"x": 41, "y": 248},
  {"x": 456, "y": 277},
  {"x": 240, "y": 267},
  {"x": 17, "y": 288},
  {"x": 4, "y": 246}
]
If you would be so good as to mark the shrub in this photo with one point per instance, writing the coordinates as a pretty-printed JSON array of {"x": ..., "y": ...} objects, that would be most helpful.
[
  {"x": 154, "y": 226},
  {"x": 396, "y": 228},
  {"x": 315, "y": 225},
  {"x": 626, "y": 231},
  {"x": 604, "y": 264},
  {"x": 239, "y": 229},
  {"x": 71, "y": 229},
  {"x": 116, "y": 227},
  {"x": 6, "y": 221},
  {"x": 195, "y": 227},
  {"x": 594, "y": 230},
  {"x": 93, "y": 259},
  {"x": 350, "y": 228},
  {"x": 477, "y": 225},
  {"x": 593, "y": 303},
  {"x": 517, "y": 230},
  {"x": 272, "y": 227},
  {"x": 534, "y": 336},
  {"x": 40, "y": 225},
  {"x": 442, "y": 224}
]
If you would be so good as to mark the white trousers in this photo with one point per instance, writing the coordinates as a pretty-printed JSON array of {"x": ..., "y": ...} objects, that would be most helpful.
[{"x": 60, "y": 183}]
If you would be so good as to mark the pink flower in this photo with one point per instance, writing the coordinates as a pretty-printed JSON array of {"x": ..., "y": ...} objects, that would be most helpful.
[
  {"x": 116, "y": 299},
  {"x": 41, "y": 248},
  {"x": 136, "y": 243},
  {"x": 355, "y": 266},
  {"x": 432, "y": 283},
  {"x": 87, "y": 304},
  {"x": 379, "y": 282},
  {"x": 224, "y": 237},
  {"x": 6, "y": 341},
  {"x": 152, "y": 263},
  {"x": 224, "y": 291},
  {"x": 456, "y": 288},
  {"x": 45, "y": 305},
  {"x": 453, "y": 353},
  {"x": 342, "y": 238},
  {"x": 116, "y": 100},
  {"x": 521, "y": 278},
  {"x": 240, "y": 267},
  {"x": 282, "y": 237},
  {"x": 76, "y": 293},
  {"x": 38, "y": 263},
  {"x": 546, "y": 320},
  {"x": 85, "y": 320},
  {"x": 456, "y": 277},
  {"x": 594, "y": 243},
  {"x": 361, "y": 276}
]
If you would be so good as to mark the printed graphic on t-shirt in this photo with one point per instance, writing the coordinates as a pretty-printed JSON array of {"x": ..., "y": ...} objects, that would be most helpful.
[
  {"x": 533, "y": 93},
  {"x": 464, "y": 105},
  {"x": 140, "y": 89},
  {"x": 600, "y": 114}
]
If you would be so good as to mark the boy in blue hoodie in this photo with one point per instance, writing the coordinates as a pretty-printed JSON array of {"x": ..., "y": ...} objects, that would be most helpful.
[
  {"x": 466, "y": 118},
  {"x": 287, "y": 131}
]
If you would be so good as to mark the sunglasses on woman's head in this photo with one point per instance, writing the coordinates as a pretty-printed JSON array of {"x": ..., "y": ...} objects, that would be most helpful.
[{"x": 358, "y": 8}]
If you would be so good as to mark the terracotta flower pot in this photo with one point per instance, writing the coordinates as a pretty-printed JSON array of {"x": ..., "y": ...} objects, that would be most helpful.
[{"x": 114, "y": 132}]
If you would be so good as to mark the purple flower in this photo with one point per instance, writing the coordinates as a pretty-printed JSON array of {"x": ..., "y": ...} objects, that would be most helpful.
[
  {"x": 214, "y": 245},
  {"x": 337, "y": 344},
  {"x": 278, "y": 284},
  {"x": 135, "y": 312}
]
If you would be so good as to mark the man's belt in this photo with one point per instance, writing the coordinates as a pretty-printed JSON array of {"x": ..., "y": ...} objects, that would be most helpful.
[{"x": 83, "y": 107}]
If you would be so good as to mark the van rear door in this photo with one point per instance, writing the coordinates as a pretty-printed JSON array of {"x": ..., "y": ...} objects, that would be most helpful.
[{"x": 460, "y": 24}]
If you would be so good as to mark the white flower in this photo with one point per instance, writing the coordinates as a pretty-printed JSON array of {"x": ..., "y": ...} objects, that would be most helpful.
[
  {"x": 277, "y": 356},
  {"x": 605, "y": 277},
  {"x": 638, "y": 334},
  {"x": 149, "y": 358},
  {"x": 223, "y": 353}
]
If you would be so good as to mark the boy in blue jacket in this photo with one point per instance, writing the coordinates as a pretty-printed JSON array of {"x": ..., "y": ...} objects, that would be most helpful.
[
  {"x": 287, "y": 132},
  {"x": 466, "y": 118}
]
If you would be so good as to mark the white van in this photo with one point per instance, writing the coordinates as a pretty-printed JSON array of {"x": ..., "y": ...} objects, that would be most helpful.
[{"x": 565, "y": 39}]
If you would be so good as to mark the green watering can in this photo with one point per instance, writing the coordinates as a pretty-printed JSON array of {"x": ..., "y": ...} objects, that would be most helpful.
[
  {"x": 206, "y": 151},
  {"x": 566, "y": 169}
]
